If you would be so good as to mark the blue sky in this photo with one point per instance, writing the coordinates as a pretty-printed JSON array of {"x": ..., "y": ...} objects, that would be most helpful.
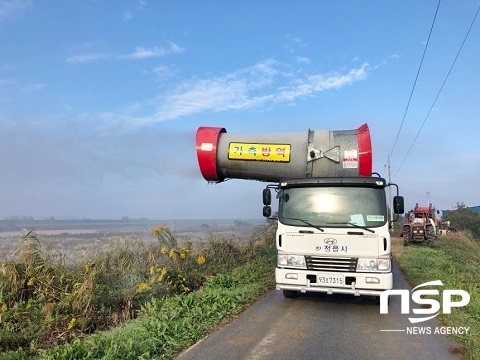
[{"x": 100, "y": 100}]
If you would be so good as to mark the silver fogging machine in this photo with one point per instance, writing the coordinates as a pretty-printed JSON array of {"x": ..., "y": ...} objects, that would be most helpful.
[{"x": 275, "y": 156}]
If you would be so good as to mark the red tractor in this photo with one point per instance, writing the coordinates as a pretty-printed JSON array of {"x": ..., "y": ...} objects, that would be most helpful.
[{"x": 420, "y": 225}]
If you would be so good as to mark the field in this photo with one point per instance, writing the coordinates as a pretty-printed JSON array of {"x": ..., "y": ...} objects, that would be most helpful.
[
  {"x": 77, "y": 240},
  {"x": 191, "y": 262},
  {"x": 66, "y": 284},
  {"x": 454, "y": 260}
]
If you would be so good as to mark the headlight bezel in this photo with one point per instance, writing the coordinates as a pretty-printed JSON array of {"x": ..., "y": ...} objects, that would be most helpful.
[
  {"x": 374, "y": 265},
  {"x": 291, "y": 261}
]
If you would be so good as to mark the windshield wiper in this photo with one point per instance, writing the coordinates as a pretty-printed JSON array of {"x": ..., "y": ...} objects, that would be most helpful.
[
  {"x": 353, "y": 224},
  {"x": 305, "y": 222}
]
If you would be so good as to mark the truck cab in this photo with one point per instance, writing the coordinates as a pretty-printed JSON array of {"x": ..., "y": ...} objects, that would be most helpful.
[{"x": 333, "y": 235}]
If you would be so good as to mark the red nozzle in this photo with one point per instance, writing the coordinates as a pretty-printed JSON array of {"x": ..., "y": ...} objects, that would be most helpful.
[
  {"x": 206, "y": 142},
  {"x": 364, "y": 151}
]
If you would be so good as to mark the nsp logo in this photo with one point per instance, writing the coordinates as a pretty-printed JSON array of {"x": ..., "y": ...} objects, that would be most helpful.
[{"x": 430, "y": 307}]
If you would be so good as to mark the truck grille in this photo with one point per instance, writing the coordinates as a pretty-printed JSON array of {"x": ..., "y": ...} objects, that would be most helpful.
[{"x": 331, "y": 264}]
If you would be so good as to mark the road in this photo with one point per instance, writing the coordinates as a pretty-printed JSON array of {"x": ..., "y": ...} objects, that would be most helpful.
[{"x": 320, "y": 326}]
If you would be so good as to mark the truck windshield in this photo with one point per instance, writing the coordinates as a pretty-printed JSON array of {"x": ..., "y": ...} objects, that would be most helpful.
[{"x": 333, "y": 206}]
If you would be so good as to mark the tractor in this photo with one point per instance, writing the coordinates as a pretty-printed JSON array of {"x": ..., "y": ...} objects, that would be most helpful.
[{"x": 420, "y": 225}]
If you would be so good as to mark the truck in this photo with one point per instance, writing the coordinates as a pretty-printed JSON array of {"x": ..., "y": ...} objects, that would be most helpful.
[
  {"x": 420, "y": 225},
  {"x": 333, "y": 235},
  {"x": 333, "y": 218}
]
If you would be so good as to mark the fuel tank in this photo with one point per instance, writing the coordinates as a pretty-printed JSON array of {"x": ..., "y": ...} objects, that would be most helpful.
[{"x": 274, "y": 156}]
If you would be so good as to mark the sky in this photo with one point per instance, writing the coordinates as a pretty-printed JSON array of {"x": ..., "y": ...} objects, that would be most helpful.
[{"x": 100, "y": 101}]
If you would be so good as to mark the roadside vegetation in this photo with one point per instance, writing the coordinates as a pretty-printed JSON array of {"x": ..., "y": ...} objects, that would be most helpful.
[
  {"x": 149, "y": 301},
  {"x": 136, "y": 301},
  {"x": 455, "y": 260}
]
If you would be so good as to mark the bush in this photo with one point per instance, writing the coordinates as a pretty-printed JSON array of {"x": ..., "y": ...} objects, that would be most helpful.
[
  {"x": 455, "y": 261},
  {"x": 465, "y": 219},
  {"x": 178, "y": 269},
  {"x": 166, "y": 325},
  {"x": 45, "y": 303}
]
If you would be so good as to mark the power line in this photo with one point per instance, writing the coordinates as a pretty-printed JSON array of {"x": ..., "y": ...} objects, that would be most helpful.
[
  {"x": 440, "y": 90},
  {"x": 416, "y": 78}
]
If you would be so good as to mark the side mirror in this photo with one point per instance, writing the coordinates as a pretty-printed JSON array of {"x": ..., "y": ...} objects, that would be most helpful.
[
  {"x": 398, "y": 205},
  {"x": 267, "y": 197},
  {"x": 267, "y": 211}
]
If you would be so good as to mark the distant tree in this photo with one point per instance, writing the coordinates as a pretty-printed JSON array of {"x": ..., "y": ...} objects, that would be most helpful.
[
  {"x": 240, "y": 223},
  {"x": 465, "y": 219}
]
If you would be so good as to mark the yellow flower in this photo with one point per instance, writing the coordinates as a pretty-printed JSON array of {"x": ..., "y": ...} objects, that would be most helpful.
[
  {"x": 186, "y": 289},
  {"x": 71, "y": 324},
  {"x": 200, "y": 260},
  {"x": 159, "y": 229},
  {"x": 163, "y": 250},
  {"x": 151, "y": 271},
  {"x": 31, "y": 282},
  {"x": 143, "y": 287},
  {"x": 171, "y": 253},
  {"x": 163, "y": 272},
  {"x": 3, "y": 308},
  {"x": 183, "y": 256},
  {"x": 89, "y": 267}
]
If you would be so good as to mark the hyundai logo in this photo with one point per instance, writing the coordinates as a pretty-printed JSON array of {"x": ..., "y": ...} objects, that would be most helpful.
[{"x": 330, "y": 241}]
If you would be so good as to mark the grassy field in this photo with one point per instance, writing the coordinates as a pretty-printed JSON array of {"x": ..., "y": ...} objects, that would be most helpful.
[
  {"x": 78, "y": 240},
  {"x": 455, "y": 260},
  {"x": 167, "y": 325},
  {"x": 150, "y": 300},
  {"x": 136, "y": 301}
]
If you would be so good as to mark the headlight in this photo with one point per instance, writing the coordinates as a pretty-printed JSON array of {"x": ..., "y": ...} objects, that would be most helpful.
[
  {"x": 296, "y": 261},
  {"x": 372, "y": 265}
]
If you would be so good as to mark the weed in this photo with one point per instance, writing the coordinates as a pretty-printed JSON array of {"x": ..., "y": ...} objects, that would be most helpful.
[
  {"x": 168, "y": 324},
  {"x": 454, "y": 261},
  {"x": 157, "y": 293}
]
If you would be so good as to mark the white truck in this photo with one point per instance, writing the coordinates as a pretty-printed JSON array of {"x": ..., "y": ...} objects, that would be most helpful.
[
  {"x": 333, "y": 235},
  {"x": 333, "y": 223}
]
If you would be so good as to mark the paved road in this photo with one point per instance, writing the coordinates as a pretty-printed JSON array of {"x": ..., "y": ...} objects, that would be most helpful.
[{"x": 322, "y": 327}]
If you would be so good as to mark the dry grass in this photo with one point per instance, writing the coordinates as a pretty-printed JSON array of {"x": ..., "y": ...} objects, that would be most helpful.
[{"x": 455, "y": 260}]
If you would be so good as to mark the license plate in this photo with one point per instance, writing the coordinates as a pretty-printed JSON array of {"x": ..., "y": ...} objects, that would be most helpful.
[{"x": 336, "y": 280}]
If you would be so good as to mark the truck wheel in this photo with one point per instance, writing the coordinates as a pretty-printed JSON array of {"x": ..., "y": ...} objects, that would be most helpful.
[
  {"x": 431, "y": 236},
  {"x": 406, "y": 235},
  {"x": 290, "y": 294}
]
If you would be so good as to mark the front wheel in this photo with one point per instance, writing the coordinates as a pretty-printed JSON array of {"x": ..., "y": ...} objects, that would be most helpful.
[
  {"x": 406, "y": 237},
  {"x": 290, "y": 294},
  {"x": 431, "y": 236}
]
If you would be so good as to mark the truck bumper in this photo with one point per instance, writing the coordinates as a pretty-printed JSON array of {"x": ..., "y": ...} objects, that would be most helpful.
[{"x": 357, "y": 284}]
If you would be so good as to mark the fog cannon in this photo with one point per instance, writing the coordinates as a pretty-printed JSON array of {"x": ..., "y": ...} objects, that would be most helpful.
[{"x": 274, "y": 156}]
